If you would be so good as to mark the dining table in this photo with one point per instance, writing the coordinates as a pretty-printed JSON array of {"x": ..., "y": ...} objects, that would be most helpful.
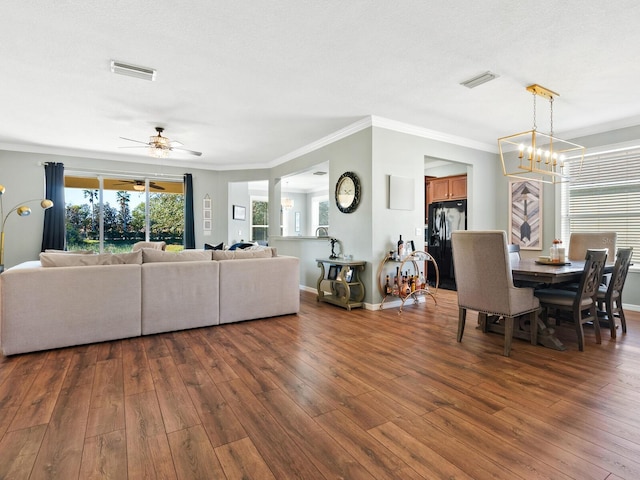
[{"x": 533, "y": 273}]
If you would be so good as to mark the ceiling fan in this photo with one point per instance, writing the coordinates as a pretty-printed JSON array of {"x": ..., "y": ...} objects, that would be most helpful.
[
  {"x": 138, "y": 185},
  {"x": 160, "y": 146}
]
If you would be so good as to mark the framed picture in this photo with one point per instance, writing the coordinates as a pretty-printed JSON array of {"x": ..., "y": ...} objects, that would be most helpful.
[
  {"x": 239, "y": 213},
  {"x": 348, "y": 275},
  {"x": 525, "y": 214},
  {"x": 333, "y": 272},
  {"x": 206, "y": 202},
  {"x": 206, "y": 225}
]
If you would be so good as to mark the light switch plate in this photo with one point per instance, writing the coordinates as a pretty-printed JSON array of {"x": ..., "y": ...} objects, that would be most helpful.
[{"x": 418, "y": 231}]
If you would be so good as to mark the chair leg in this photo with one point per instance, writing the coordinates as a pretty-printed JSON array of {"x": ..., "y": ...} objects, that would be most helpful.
[
  {"x": 579, "y": 331},
  {"x": 596, "y": 324},
  {"x": 462, "y": 317},
  {"x": 508, "y": 335},
  {"x": 483, "y": 321},
  {"x": 623, "y": 321},
  {"x": 612, "y": 318},
  {"x": 533, "y": 327}
]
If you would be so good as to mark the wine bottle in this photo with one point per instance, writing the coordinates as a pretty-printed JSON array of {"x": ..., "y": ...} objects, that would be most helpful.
[
  {"x": 387, "y": 287},
  {"x": 400, "y": 248}
]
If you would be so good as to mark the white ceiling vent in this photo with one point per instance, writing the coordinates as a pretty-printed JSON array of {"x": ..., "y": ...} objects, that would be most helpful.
[
  {"x": 133, "y": 70},
  {"x": 479, "y": 79}
]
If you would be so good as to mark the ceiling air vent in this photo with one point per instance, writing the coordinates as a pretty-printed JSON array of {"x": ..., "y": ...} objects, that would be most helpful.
[
  {"x": 479, "y": 79},
  {"x": 133, "y": 70}
]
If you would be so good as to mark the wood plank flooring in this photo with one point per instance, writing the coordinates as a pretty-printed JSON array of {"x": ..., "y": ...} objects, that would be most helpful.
[{"x": 326, "y": 394}]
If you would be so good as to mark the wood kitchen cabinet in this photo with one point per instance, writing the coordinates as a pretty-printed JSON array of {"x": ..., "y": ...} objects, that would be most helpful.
[{"x": 446, "y": 188}]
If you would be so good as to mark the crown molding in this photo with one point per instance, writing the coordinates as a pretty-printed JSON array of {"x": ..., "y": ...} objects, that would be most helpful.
[
  {"x": 432, "y": 134},
  {"x": 381, "y": 122},
  {"x": 355, "y": 127}
]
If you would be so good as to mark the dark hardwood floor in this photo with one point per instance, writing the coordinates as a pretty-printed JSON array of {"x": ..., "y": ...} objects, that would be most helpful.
[{"x": 326, "y": 394}]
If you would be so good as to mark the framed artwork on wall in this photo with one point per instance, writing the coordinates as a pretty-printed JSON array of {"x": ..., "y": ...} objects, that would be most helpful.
[
  {"x": 525, "y": 214},
  {"x": 239, "y": 213}
]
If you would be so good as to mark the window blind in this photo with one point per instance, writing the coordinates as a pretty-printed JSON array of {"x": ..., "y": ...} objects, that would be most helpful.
[{"x": 604, "y": 197}]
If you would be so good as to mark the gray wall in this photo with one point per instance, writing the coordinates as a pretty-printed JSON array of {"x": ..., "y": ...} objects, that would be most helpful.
[
  {"x": 373, "y": 229},
  {"x": 373, "y": 154}
]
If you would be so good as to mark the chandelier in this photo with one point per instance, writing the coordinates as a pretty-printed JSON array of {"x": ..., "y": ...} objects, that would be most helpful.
[
  {"x": 287, "y": 203},
  {"x": 536, "y": 155},
  {"x": 159, "y": 146}
]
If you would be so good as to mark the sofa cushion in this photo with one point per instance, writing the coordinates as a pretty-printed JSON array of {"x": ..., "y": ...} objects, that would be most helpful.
[
  {"x": 70, "y": 252},
  {"x": 150, "y": 255},
  {"x": 242, "y": 254},
  {"x": 66, "y": 260}
]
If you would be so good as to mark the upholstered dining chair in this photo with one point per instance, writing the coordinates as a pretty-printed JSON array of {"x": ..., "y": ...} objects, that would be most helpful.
[
  {"x": 610, "y": 296},
  {"x": 579, "y": 243},
  {"x": 577, "y": 301},
  {"x": 485, "y": 284}
]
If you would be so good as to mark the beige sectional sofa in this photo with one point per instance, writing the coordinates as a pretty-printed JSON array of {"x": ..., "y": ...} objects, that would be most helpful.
[{"x": 61, "y": 301}]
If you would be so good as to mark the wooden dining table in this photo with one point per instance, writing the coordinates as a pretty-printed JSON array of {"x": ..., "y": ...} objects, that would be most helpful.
[{"x": 528, "y": 272}]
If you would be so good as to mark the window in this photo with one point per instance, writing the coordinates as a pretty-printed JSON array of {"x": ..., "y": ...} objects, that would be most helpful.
[
  {"x": 605, "y": 197},
  {"x": 319, "y": 212},
  {"x": 259, "y": 219},
  {"x": 107, "y": 214}
]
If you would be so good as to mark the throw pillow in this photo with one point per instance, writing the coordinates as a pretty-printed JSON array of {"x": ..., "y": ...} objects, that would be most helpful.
[
  {"x": 66, "y": 260},
  {"x": 241, "y": 246},
  {"x": 208, "y": 246},
  {"x": 274, "y": 250},
  {"x": 241, "y": 254},
  {"x": 150, "y": 255}
]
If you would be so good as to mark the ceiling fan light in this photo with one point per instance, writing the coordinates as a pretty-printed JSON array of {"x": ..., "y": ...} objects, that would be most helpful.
[
  {"x": 138, "y": 187},
  {"x": 158, "y": 151}
]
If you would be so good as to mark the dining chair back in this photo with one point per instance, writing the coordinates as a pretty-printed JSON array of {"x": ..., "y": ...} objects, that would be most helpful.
[
  {"x": 610, "y": 297},
  {"x": 485, "y": 283},
  {"x": 577, "y": 301},
  {"x": 580, "y": 242}
]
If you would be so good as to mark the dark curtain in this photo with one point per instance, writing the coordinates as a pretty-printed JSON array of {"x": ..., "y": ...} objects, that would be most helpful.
[
  {"x": 189, "y": 230},
  {"x": 54, "y": 233}
]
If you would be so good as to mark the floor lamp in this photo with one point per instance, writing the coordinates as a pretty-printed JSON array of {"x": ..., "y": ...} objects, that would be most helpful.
[{"x": 22, "y": 211}]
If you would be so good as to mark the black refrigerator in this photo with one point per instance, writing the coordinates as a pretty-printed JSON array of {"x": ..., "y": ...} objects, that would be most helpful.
[{"x": 444, "y": 218}]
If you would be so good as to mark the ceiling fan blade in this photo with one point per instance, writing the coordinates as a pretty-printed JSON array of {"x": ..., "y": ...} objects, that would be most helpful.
[
  {"x": 175, "y": 143},
  {"x": 155, "y": 186},
  {"x": 192, "y": 152},
  {"x": 132, "y": 140},
  {"x": 136, "y": 146}
]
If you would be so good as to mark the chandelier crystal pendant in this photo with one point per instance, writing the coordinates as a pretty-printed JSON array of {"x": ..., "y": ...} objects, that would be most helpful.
[
  {"x": 159, "y": 146},
  {"x": 536, "y": 155}
]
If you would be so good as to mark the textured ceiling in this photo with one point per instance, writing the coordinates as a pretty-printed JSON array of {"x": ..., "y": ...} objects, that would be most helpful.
[{"x": 246, "y": 83}]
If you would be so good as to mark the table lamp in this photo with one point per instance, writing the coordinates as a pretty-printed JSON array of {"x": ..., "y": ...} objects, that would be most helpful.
[{"x": 21, "y": 210}]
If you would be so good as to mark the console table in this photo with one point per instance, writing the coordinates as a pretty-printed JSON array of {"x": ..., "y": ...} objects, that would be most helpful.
[{"x": 343, "y": 279}]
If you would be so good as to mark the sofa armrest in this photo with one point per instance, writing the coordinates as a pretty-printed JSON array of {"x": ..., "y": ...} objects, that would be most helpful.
[
  {"x": 43, "y": 308},
  {"x": 259, "y": 288}
]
